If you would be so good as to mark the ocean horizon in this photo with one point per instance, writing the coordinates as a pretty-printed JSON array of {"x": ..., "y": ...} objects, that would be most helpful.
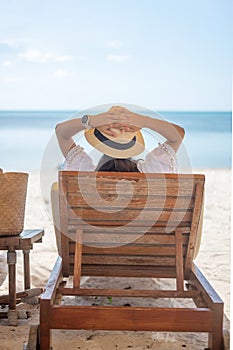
[{"x": 25, "y": 136}]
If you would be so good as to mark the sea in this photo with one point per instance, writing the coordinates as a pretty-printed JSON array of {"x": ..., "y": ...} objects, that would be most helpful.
[{"x": 27, "y": 137}]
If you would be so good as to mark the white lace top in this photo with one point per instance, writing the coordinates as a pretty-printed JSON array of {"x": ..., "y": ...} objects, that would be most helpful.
[{"x": 161, "y": 159}]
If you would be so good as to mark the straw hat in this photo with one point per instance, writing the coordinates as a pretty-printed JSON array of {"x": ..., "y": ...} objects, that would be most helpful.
[{"x": 123, "y": 145}]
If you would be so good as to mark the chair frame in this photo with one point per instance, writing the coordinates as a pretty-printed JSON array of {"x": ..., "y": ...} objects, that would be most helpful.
[{"x": 207, "y": 316}]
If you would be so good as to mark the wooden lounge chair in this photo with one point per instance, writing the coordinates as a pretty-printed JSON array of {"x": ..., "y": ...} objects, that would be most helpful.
[{"x": 157, "y": 235}]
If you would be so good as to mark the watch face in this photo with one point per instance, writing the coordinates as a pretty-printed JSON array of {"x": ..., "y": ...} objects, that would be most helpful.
[{"x": 85, "y": 119}]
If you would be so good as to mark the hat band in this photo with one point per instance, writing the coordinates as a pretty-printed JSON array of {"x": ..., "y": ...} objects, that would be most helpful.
[{"x": 113, "y": 144}]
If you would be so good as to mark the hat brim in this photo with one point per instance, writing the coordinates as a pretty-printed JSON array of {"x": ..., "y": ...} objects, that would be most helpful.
[{"x": 109, "y": 149}]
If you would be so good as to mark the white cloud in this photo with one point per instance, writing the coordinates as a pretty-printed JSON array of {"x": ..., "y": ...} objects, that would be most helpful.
[
  {"x": 6, "y": 63},
  {"x": 114, "y": 44},
  {"x": 38, "y": 56},
  {"x": 117, "y": 58},
  {"x": 63, "y": 58},
  {"x": 15, "y": 80},
  {"x": 14, "y": 43},
  {"x": 62, "y": 73},
  {"x": 10, "y": 42}
]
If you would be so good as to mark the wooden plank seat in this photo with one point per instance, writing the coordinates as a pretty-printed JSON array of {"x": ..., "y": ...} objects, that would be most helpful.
[
  {"x": 24, "y": 241},
  {"x": 129, "y": 225}
]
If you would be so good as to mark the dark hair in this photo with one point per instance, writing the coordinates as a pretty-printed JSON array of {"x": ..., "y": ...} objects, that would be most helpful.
[{"x": 107, "y": 163}]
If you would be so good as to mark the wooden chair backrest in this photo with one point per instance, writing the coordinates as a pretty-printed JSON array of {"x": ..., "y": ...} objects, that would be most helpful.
[{"x": 128, "y": 221}]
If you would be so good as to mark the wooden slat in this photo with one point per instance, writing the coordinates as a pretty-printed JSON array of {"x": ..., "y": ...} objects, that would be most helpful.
[
  {"x": 126, "y": 260},
  {"x": 136, "y": 318},
  {"x": 169, "y": 202},
  {"x": 122, "y": 179},
  {"x": 127, "y": 271},
  {"x": 158, "y": 230},
  {"x": 115, "y": 176},
  {"x": 127, "y": 215},
  {"x": 150, "y": 188},
  {"x": 135, "y": 224},
  {"x": 118, "y": 238},
  {"x": 130, "y": 249},
  {"x": 116, "y": 245},
  {"x": 135, "y": 176},
  {"x": 193, "y": 233},
  {"x": 134, "y": 293}
]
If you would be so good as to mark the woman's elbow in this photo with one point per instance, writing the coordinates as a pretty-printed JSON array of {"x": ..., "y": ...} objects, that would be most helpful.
[
  {"x": 58, "y": 129},
  {"x": 181, "y": 132}
]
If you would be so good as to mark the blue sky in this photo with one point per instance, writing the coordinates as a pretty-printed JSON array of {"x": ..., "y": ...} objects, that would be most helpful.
[{"x": 160, "y": 54}]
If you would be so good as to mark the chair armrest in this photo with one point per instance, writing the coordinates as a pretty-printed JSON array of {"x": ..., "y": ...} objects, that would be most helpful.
[
  {"x": 210, "y": 295},
  {"x": 53, "y": 281},
  {"x": 31, "y": 236}
]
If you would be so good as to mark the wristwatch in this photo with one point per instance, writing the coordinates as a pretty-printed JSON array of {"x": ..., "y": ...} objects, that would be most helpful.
[{"x": 85, "y": 121}]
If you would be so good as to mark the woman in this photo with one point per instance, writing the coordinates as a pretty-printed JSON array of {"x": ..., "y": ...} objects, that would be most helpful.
[{"x": 116, "y": 133}]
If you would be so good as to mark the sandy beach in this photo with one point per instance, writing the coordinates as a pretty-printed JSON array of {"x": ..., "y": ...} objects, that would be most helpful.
[{"x": 213, "y": 259}]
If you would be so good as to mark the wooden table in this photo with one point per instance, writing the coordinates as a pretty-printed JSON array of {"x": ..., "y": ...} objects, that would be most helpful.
[{"x": 23, "y": 242}]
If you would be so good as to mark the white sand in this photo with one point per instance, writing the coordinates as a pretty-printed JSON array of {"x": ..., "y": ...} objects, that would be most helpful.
[{"x": 213, "y": 259}]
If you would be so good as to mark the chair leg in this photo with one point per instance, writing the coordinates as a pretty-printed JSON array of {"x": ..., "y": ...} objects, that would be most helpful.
[
  {"x": 216, "y": 337},
  {"x": 214, "y": 303},
  {"x": 26, "y": 262},
  {"x": 12, "y": 313},
  {"x": 45, "y": 337},
  {"x": 78, "y": 259},
  {"x": 33, "y": 339},
  {"x": 45, "y": 331}
]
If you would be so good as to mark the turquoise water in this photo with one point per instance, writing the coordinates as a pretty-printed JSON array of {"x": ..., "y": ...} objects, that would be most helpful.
[{"x": 24, "y": 136}]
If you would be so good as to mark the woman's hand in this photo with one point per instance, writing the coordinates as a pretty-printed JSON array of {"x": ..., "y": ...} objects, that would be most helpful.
[
  {"x": 113, "y": 115},
  {"x": 123, "y": 116},
  {"x": 108, "y": 129},
  {"x": 115, "y": 118}
]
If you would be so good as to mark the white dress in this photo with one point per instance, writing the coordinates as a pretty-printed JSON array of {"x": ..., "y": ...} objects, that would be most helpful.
[{"x": 161, "y": 159}]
